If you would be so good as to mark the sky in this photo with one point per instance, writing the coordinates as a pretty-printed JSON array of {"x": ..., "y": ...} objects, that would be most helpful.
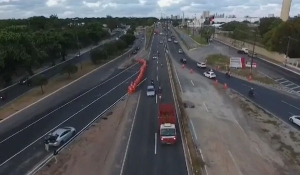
[{"x": 140, "y": 8}]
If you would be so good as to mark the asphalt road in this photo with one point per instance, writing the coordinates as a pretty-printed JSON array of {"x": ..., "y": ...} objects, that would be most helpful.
[
  {"x": 279, "y": 104},
  {"x": 15, "y": 91},
  {"x": 145, "y": 154},
  {"x": 24, "y": 145}
]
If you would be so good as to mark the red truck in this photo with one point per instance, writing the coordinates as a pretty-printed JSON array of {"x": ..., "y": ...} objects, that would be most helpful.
[{"x": 167, "y": 121}]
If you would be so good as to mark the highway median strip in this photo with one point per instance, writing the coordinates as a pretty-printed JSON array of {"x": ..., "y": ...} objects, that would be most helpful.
[
  {"x": 68, "y": 75},
  {"x": 149, "y": 34},
  {"x": 194, "y": 154},
  {"x": 181, "y": 39},
  {"x": 221, "y": 63}
]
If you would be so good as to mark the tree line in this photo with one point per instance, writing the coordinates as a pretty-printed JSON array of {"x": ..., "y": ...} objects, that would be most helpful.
[
  {"x": 27, "y": 44},
  {"x": 272, "y": 33}
]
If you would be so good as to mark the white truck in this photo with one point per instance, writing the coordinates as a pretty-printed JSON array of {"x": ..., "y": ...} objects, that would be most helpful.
[{"x": 243, "y": 51}]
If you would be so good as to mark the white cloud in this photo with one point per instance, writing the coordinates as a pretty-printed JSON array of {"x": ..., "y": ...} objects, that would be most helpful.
[{"x": 140, "y": 8}]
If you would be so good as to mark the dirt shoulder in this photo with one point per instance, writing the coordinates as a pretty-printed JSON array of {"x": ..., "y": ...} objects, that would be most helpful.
[
  {"x": 234, "y": 136},
  {"x": 96, "y": 150}
]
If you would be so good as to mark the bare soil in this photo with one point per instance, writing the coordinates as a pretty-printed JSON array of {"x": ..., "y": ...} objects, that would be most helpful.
[
  {"x": 234, "y": 136},
  {"x": 94, "y": 152}
]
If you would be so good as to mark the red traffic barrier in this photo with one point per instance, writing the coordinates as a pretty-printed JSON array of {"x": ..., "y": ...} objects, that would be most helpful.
[
  {"x": 225, "y": 86},
  {"x": 250, "y": 78},
  {"x": 191, "y": 71},
  {"x": 182, "y": 66},
  {"x": 216, "y": 82}
]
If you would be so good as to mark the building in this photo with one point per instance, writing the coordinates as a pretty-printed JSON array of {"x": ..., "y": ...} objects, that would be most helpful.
[
  {"x": 271, "y": 15},
  {"x": 205, "y": 14},
  {"x": 285, "y": 10}
]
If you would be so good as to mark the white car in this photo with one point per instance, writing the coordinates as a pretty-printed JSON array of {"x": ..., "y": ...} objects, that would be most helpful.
[
  {"x": 161, "y": 42},
  {"x": 175, "y": 41},
  {"x": 150, "y": 91},
  {"x": 201, "y": 65},
  {"x": 210, "y": 75},
  {"x": 60, "y": 136},
  {"x": 295, "y": 119},
  {"x": 169, "y": 40},
  {"x": 180, "y": 51},
  {"x": 154, "y": 57}
]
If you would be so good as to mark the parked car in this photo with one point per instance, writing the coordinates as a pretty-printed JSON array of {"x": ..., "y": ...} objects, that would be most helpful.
[{"x": 60, "y": 136}]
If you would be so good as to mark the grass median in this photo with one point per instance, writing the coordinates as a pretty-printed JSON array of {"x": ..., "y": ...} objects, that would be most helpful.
[
  {"x": 196, "y": 37},
  {"x": 195, "y": 158},
  {"x": 54, "y": 84},
  {"x": 222, "y": 61},
  {"x": 149, "y": 34}
]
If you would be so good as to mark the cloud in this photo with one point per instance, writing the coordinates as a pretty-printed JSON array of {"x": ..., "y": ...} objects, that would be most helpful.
[{"x": 140, "y": 8}]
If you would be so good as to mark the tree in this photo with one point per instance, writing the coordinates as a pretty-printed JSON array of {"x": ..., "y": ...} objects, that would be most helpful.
[
  {"x": 69, "y": 69},
  {"x": 40, "y": 80},
  {"x": 266, "y": 24}
]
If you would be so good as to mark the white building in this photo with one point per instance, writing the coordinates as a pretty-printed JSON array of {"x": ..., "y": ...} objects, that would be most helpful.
[{"x": 199, "y": 21}]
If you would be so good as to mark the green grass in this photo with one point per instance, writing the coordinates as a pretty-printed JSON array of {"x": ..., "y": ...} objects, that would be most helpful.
[
  {"x": 222, "y": 61},
  {"x": 196, "y": 37}
]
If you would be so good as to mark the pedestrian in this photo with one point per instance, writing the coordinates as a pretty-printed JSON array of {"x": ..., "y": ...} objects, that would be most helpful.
[
  {"x": 55, "y": 152},
  {"x": 46, "y": 141}
]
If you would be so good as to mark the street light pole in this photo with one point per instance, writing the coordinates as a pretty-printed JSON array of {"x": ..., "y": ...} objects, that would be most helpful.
[{"x": 287, "y": 50}]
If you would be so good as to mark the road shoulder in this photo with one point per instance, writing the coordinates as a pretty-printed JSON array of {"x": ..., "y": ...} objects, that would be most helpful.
[{"x": 98, "y": 149}]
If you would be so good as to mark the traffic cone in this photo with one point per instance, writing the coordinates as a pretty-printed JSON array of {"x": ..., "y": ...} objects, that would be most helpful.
[
  {"x": 191, "y": 71},
  {"x": 250, "y": 78},
  {"x": 129, "y": 90},
  {"x": 216, "y": 82},
  {"x": 182, "y": 66},
  {"x": 225, "y": 86}
]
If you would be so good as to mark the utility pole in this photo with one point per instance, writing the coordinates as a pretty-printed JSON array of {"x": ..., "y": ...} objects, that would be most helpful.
[
  {"x": 287, "y": 50},
  {"x": 252, "y": 56},
  {"x": 77, "y": 40}
]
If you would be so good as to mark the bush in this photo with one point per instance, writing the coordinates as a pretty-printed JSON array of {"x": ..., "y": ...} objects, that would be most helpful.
[
  {"x": 69, "y": 69},
  {"x": 128, "y": 39}
]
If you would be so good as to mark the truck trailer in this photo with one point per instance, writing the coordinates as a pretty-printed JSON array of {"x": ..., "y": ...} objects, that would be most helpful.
[{"x": 167, "y": 121}]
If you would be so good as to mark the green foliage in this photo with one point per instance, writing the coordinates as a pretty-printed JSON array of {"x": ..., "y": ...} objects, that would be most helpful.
[
  {"x": 40, "y": 80},
  {"x": 69, "y": 69},
  {"x": 267, "y": 24},
  {"x": 29, "y": 43},
  {"x": 128, "y": 39}
]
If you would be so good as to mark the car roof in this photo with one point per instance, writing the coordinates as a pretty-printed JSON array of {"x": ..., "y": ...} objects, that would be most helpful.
[
  {"x": 150, "y": 87},
  {"x": 59, "y": 131}
]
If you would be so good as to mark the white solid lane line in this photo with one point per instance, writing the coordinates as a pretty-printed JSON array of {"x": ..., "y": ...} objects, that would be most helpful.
[
  {"x": 205, "y": 107},
  {"x": 290, "y": 105},
  {"x": 65, "y": 120},
  {"x": 65, "y": 104},
  {"x": 157, "y": 78},
  {"x": 155, "y": 141},
  {"x": 193, "y": 128},
  {"x": 129, "y": 138},
  {"x": 156, "y": 98}
]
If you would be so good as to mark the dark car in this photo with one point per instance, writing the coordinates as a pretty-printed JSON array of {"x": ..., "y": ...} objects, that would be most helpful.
[
  {"x": 134, "y": 52},
  {"x": 25, "y": 81},
  {"x": 137, "y": 48},
  {"x": 183, "y": 60}
]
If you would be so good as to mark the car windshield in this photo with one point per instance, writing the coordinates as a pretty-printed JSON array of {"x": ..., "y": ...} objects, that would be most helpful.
[
  {"x": 213, "y": 74},
  {"x": 168, "y": 132},
  {"x": 150, "y": 88}
]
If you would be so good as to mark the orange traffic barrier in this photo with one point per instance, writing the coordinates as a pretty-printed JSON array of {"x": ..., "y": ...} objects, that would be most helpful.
[
  {"x": 182, "y": 66},
  {"x": 225, "y": 86},
  {"x": 216, "y": 82},
  {"x": 191, "y": 71},
  {"x": 250, "y": 78},
  {"x": 129, "y": 90}
]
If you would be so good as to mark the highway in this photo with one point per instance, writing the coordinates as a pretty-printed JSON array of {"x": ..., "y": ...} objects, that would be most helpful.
[
  {"x": 279, "y": 74},
  {"x": 14, "y": 91},
  {"x": 279, "y": 104},
  {"x": 24, "y": 146},
  {"x": 145, "y": 154}
]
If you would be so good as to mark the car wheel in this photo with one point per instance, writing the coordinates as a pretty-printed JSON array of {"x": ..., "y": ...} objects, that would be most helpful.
[{"x": 292, "y": 120}]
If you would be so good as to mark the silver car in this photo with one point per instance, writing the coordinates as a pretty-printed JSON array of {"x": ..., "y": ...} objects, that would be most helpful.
[
  {"x": 150, "y": 91},
  {"x": 60, "y": 136}
]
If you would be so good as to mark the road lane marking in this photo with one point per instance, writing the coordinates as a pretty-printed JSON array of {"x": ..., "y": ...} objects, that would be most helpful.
[
  {"x": 130, "y": 133},
  {"x": 157, "y": 78},
  {"x": 156, "y": 62},
  {"x": 156, "y": 98},
  {"x": 205, "y": 168},
  {"x": 155, "y": 141},
  {"x": 192, "y": 83},
  {"x": 291, "y": 113},
  {"x": 65, "y": 121},
  {"x": 157, "y": 68},
  {"x": 193, "y": 128},
  {"x": 238, "y": 124},
  {"x": 64, "y": 104},
  {"x": 290, "y": 105},
  {"x": 239, "y": 171},
  {"x": 205, "y": 107}
]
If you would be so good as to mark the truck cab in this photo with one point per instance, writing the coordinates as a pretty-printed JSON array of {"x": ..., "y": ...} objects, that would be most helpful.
[
  {"x": 167, "y": 133},
  {"x": 167, "y": 121}
]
